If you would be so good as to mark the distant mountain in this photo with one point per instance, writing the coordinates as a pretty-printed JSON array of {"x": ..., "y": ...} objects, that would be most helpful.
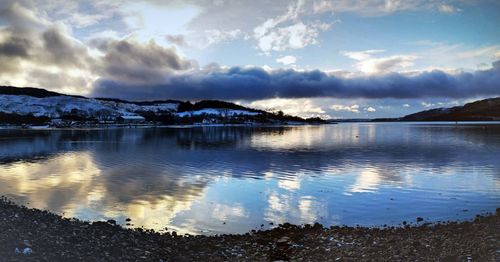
[
  {"x": 483, "y": 110},
  {"x": 34, "y": 105}
]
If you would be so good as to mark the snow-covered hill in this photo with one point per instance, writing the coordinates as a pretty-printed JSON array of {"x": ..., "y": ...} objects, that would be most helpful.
[
  {"x": 35, "y": 106},
  {"x": 57, "y": 106},
  {"x": 43, "y": 103}
]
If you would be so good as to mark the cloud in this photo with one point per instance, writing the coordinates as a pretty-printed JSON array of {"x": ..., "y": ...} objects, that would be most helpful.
[
  {"x": 215, "y": 36},
  {"x": 353, "y": 108},
  {"x": 406, "y": 105},
  {"x": 21, "y": 17},
  {"x": 205, "y": 39},
  {"x": 425, "y": 104},
  {"x": 287, "y": 31},
  {"x": 179, "y": 40},
  {"x": 295, "y": 36},
  {"x": 383, "y": 7},
  {"x": 368, "y": 8},
  {"x": 255, "y": 83},
  {"x": 446, "y": 8},
  {"x": 13, "y": 49},
  {"x": 15, "y": 46},
  {"x": 60, "y": 49},
  {"x": 250, "y": 15},
  {"x": 81, "y": 20},
  {"x": 386, "y": 64},
  {"x": 370, "y": 109},
  {"x": 449, "y": 57},
  {"x": 57, "y": 80},
  {"x": 361, "y": 55},
  {"x": 132, "y": 62},
  {"x": 36, "y": 52},
  {"x": 369, "y": 64},
  {"x": 287, "y": 60}
]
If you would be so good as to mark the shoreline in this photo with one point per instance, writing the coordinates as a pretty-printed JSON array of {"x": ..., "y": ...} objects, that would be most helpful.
[
  {"x": 116, "y": 126},
  {"x": 51, "y": 237}
]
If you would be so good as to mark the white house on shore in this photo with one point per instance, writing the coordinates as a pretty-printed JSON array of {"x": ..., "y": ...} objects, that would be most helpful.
[{"x": 130, "y": 119}]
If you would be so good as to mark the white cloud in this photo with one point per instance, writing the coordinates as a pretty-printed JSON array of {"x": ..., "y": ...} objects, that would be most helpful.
[
  {"x": 267, "y": 68},
  {"x": 287, "y": 31},
  {"x": 353, "y": 108},
  {"x": 448, "y": 103},
  {"x": 450, "y": 57},
  {"x": 446, "y": 8},
  {"x": 370, "y": 109},
  {"x": 361, "y": 55},
  {"x": 287, "y": 60},
  {"x": 425, "y": 104},
  {"x": 215, "y": 36},
  {"x": 381, "y": 7},
  {"x": 369, "y": 8},
  {"x": 295, "y": 36},
  {"x": 269, "y": 24},
  {"x": 81, "y": 20},
  {"x": 406, "y": 105},
  {"x": 492, "y": 51}
]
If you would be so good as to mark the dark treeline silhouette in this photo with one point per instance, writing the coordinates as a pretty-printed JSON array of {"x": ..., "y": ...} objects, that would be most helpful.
[
  {"x": 140, "y": 103},
  {"x": 16, "y": 119},
  {"x": 188, "y": 106},
  {"x": 30, "y": 91}
]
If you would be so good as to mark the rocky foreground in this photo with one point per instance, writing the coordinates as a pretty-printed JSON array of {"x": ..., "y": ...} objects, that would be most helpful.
[{"x": 35, "y": 235}]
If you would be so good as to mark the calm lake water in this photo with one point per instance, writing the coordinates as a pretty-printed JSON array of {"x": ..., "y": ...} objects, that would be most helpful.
[{"x": 210, "y": 180}]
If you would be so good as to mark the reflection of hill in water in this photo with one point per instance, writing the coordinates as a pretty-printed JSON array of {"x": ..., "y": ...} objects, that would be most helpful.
[
  {"x": 246, "y": 150},
  {"x": 26, "y": 144}
]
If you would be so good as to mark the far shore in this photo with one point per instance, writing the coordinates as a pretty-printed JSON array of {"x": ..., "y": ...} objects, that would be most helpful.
[
  {"x": 112, "y": 126},
  {"x": 35, "y": 235}
]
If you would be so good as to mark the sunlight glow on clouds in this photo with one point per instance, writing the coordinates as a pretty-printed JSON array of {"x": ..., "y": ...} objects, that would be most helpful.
[
  {"x": 368, "y": 64},
  {"x": 303, "y": 107},
  {"x": 151, "y": 20}
]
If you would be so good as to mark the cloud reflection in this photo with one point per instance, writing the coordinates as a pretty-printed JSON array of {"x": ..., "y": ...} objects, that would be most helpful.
[{"x": 233, "y": 179}]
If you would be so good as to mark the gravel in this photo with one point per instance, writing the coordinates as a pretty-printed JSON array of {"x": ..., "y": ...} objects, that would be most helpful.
[{"x": 35, "y": 235}]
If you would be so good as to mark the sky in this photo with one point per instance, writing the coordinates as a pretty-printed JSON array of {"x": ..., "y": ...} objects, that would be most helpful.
[{"x": 312, "y": 58}]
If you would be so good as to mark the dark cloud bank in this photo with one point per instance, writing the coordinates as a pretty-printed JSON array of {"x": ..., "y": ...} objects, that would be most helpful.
[{"x": 254, "y": 83}]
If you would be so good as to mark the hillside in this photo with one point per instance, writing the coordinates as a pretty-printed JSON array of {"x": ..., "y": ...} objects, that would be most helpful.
[
  {"x": 28, "y": 91},
  {"x": 482, "y": 110},
  {"x": 39, "y": 106}
]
